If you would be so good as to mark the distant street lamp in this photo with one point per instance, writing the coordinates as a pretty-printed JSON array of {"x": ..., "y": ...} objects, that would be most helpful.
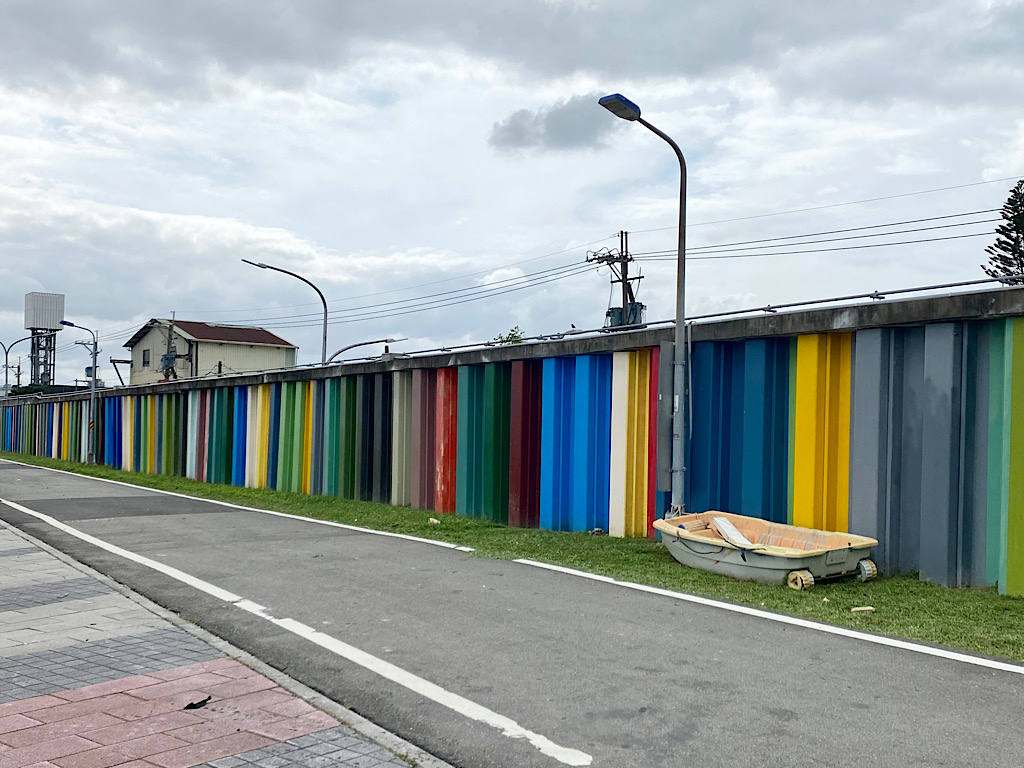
[
  {"x": 91, "y": 457},
  {"x": 365, "y": 344},
  {"x": 7, "y": 367},
  {"x": 261, "y": 265},
  {"x": 622, "y": 107}
]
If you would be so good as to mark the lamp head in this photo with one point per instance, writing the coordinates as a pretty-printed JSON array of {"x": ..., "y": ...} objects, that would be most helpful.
[
  {"x": 259, "y": 264},
  {"x": 620, "y": 106},
  {"x": 68, "y": 323}
]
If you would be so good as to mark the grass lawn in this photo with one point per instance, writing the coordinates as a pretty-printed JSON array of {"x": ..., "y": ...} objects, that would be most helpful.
[{"x": 977, "y": 620}]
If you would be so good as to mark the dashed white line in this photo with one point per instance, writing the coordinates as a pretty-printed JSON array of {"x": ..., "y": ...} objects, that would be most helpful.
[{"x": 742, "y": 609}]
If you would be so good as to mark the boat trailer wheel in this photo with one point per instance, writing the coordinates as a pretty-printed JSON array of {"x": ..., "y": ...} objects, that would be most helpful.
[
  {"x": 866, "y": 570},
  {"x": 800, "y": 580}
]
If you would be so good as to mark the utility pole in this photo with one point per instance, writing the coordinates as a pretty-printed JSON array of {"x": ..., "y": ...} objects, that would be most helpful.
[
  {"x": 169, "y": 360},
  {"x": 631, "y": 313},
  {"x": 624, "y": 259}
]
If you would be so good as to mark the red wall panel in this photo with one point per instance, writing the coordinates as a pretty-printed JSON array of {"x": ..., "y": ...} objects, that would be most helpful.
[
  {"x": 446, "y": 438},
  {"x": 524, "y": 445}
]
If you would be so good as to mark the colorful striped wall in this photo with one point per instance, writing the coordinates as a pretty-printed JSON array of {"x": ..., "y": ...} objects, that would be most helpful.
[{"x": 913, "y": 435}]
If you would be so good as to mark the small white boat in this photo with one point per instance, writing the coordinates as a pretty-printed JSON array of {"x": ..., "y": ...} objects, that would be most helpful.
[{"x": 770, "y": 553}]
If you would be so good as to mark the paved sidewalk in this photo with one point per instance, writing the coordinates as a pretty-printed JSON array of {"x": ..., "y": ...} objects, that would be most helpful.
[{"x": 91, "y": 679}]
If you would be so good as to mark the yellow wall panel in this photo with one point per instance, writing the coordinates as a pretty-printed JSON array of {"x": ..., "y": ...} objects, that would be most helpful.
[
  {"x": 638, "y": 416},
  {"x": 307, "y": 437},
  {"x": 263, "y": 424},
  {"x": 151, "y": 435},
  {"x": 821, "y": 445}
]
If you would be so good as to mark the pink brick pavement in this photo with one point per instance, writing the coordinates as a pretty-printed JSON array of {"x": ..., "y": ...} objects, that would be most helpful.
[{"x": 140, "y": 721}]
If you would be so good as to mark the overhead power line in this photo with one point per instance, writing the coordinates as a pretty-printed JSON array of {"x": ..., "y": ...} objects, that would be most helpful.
[
  {"x": 657, "y": 229},
  {"x": 816, "y": 250},
  {"x": 721, "y": 249},
  {"x": 834, "y": 205},
  {"x": 441, "y": 304},
  {"x": 454, "y": 292},
  {"x": 411, "y": 287},
  {"x": 759, "y": 247},
  {"x": 104, "y": 334},
  {"x": 851, "y": 229},
  {"x": 428, "y": 301}
]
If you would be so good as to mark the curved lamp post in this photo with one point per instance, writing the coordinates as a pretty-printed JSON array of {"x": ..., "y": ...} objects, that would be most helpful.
[
  {"x": 261, "y": 265},
  {"x": 91, "y": 457},
  {"x": 622, "y": 107},
  {"x": 7, "y": 367},
  {"x": 364, "y": 344}
]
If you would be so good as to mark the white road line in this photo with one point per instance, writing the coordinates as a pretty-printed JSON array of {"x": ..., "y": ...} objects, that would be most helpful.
[
  {"x": 425, "y": 688},
  {"x": 407, "y": 537},
  {"x": 174, "y": 573},
  {"x": 891, "y": 642},
  {"x": 906, "y": 645}
]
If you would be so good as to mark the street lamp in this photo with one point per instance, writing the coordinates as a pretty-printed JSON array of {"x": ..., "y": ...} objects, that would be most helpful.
[
  {"x": 91, "y": 457},
  {"x": 622, "y": 107},
  {"x": 7, "y": 367},
  {"x": 365, "y": 344},
  {"x": 261, "y": 265}
]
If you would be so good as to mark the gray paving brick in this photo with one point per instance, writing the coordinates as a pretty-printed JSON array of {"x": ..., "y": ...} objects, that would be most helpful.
[
  {"x": 48, "y": 610},
  {"x": 305, "y": 741},
  {"x": 75, "y": 666},
  {"x": 29, "y": 596},
  {"x": 274, "y": 761},
  {"x": 316, "y": 750},
  {"x": 18, "y": 551}
]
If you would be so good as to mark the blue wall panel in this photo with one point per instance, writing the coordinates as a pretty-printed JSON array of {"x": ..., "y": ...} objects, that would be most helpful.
[
  {"x": 575, "y": 442},
  {"x": 555, "y": 442},
  {"x": 592, "y": 436},
  {"x": 238, "y": 444},
  {"x": 739, "y": 451}
]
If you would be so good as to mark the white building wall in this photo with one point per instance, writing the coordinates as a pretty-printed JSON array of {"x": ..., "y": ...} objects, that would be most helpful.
[
  {"x": 155, "y": 341},
  {"x": 234, "y": 358},
  {"x": 241, "y": 358}
]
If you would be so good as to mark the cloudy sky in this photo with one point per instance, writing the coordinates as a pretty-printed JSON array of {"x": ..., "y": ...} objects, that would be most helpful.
[{"x": 441, "y": 168}]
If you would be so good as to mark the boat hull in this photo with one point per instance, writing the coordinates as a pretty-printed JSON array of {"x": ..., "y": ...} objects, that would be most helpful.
[{"x": 765, "y": 567}]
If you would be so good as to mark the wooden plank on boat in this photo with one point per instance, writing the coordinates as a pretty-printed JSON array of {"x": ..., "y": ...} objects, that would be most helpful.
[{"x": 724, "y": 527}]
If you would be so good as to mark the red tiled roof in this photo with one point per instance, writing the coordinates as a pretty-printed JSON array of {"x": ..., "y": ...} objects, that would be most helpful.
[{"x": 239, "y": 334}]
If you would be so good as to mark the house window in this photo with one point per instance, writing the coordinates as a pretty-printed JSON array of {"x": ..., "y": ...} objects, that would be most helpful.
[{"x": 145, "y": 358}]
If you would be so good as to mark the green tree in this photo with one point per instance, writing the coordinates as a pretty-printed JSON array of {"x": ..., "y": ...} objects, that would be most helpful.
[
  {"x": 514, "y": 336},
  {"x": 1006, "y": 255}
]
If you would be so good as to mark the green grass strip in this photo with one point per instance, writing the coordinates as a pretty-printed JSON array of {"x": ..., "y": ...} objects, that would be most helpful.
[{"x": 976, "y": 620}]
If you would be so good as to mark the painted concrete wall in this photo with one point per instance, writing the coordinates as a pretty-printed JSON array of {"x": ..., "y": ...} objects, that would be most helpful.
[{"x": 911, "y": 434}]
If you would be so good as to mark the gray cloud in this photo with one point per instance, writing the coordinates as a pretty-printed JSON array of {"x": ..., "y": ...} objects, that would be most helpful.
[
  {"x": 134, "y": 176},
  {"x": 170, "y": 48},
  {"x": 949, "y": 55},
  {"x": 568, "y": 124}
]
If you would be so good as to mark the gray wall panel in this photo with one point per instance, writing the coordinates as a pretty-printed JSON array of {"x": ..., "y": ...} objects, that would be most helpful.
[
  {"x": 869, "y": 440},
  {"x": 906, "y": 417},
  {"x": 974, "y": 489},
  {"x": 940, "y": 475}
]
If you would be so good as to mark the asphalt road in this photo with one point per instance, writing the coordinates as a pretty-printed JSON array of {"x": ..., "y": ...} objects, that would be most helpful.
[{"x": 625, "y": 677}]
